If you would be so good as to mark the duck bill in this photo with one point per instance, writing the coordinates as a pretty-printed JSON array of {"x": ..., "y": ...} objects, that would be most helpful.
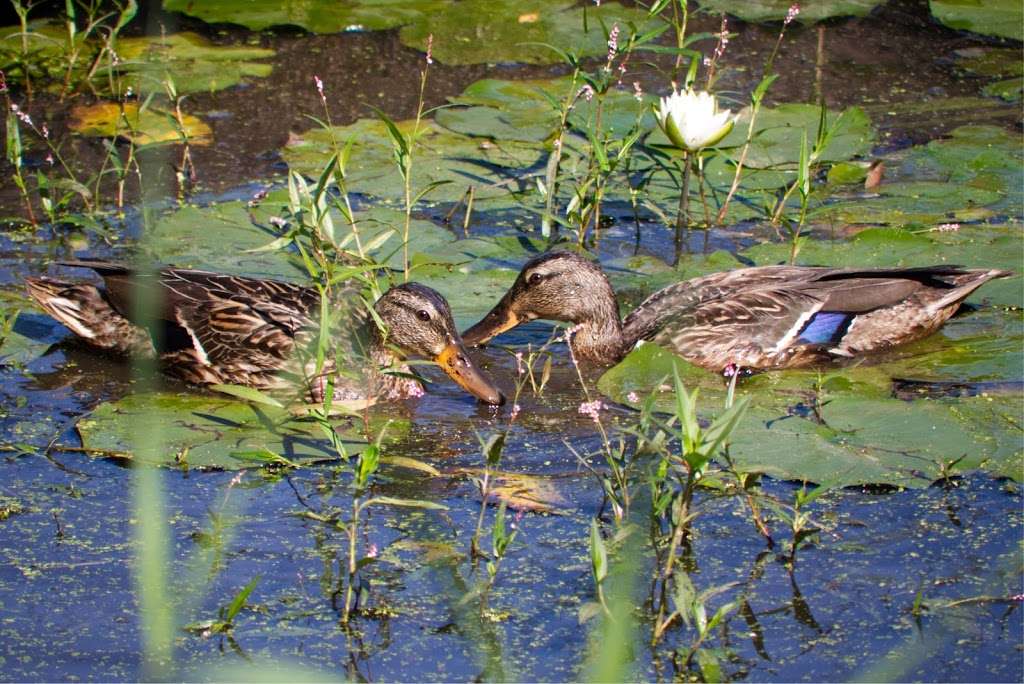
[
  {"x": 459, "y": 366},
  {"x": 497, "y": 321}
]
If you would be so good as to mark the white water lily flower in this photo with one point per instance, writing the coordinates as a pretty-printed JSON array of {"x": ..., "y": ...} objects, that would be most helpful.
[{"x": 691, "y": 120}]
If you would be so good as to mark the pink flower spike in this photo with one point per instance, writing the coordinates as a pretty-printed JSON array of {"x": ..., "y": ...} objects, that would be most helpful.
[
  {"x": 592, "y": 409},
  {"x": 49, "y": 158},
  {"x": 372, "y": 551},
  {"x": 430, "y": 49},
  {"x": 948, "y": 227},
  {"x": 319, "y": 86},
  {"x": 794, "y": 10},
  {"x": 638, "y": 92},
  {"x": 587, "y": 92},
  {"x": 515, "y": 412},
  {"x": 633, "y": 398}
]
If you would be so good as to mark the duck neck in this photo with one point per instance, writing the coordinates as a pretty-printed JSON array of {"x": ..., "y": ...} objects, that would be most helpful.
[
  {"x": 598, "y": 338},
  {"x": 389, "y": 374}
]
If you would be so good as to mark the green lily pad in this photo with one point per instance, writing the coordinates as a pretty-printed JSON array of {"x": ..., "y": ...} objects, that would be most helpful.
[
  {"x": 191, "y": 62},
  {"x": 495, "y": 31},
  {"x": 776, "y": 10},
  {"x": 220, "y": 237},
  {"x": 206, "y": 432},
  {"x": 41, "y": 52},
  {"x": 779, "y": 131},
  {"x": 992, "y": 62},
  {"x": 923, "y": 202},
  {"x": 16, "y": 347},
  {"x": 317, "y": 16},
  {"x": 862, "y": 437},
  {"x": 1011, "y": 90},
  {"x": 439, "y": 155},
  {"x": 522, "y": 110},
  {"x": 991, "y": 17},
  {"x": 144, "y": 126}
]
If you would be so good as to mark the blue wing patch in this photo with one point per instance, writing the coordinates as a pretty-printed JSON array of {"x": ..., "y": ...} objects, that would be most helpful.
[{"x": 825, "y": 327}]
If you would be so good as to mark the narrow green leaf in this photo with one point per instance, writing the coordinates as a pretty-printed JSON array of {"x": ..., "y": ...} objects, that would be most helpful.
[
  {"x": 248, "y": 393},
  {"x": 240, "y": 598},
  {"x": 406, "y": 503}
]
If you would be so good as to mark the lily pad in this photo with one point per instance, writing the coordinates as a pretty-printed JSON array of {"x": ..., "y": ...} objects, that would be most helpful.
[
  {"x": 496, "y": 31},
  {"x": 25, "y": 339},
  {"x": 779, "y": 131},
  {"x": 858, "y": 436},
  {"x": 191, "y": 62},
  {"x": 41, "y": 52},
  {"x": 220, "y": 237},
  {"x": 204, "y": 432},
  {"x": 979, "y": 156},
  {"x": 523, "y": 110},
  {"x": 439, "y": 155},
  {"x": 776, "y": 10},
  {"x": 992, "y": 17},
  {"x": 316, "y": 16},
  {"x": 143, "y": 126},
  {"x": 923, "y": 202}
]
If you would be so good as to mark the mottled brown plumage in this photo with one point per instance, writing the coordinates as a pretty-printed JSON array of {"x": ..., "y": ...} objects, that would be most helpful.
[
  {"x": 757, "y": 318},
  {"x": 213, "y": 328}
]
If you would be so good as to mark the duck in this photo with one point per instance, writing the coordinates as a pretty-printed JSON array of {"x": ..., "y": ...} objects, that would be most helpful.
[
  {"x": 212, "y": 328},
  {"x": 751, "y": 319}
]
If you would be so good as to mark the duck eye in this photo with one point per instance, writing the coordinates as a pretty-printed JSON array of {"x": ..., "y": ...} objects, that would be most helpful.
[
  {"x": 535, "y": 278},
  {"x": 423, "y": 315}
]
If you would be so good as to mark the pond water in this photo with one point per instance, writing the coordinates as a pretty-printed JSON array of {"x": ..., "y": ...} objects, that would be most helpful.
[{"x": 902, "y": 581}]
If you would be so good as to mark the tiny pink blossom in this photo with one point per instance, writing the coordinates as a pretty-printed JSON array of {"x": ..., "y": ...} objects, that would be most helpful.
[
  {"x": 416, "y": 390},
  {"x": 633, "y": 398},
  {"x": 515, "y": 412},
  {"x": 730, "y": 370},
  {"x": 948, "y": 227},
  {"x": 430, "y": 49},
  {"x": 519, "y": 363},
  {"x": 319, "y": 86},
  {"x": 586, "y": 92},
  {"x": 592, "y": 409},
  {"x": 794, "y": 10},
  {"x": 638, "y": 92},
  {"x": 613, "y": 45},
  {"x": 49, "y": 158},
  {"x": 371, "y": 551},
  {"x": 46, "y": 132}
]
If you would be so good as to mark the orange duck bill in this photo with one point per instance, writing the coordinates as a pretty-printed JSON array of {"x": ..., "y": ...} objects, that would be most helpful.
[
  {"x": 456, "y": 362},
  {"x": 499, "y": 319}
]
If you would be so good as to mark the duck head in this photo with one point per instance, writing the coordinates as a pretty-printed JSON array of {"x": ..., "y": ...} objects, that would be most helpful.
[
  {"x": 419, "y": 323},
  {"x": 558, "y": 286}
]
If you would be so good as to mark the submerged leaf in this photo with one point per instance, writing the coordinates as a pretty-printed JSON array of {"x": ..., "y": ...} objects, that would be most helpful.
[{"x": 148, "y": 126}]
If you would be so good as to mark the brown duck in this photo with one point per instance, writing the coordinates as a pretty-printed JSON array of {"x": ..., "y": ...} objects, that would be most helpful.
[
  {"x": 224, "y": 329},
  {"x": 754, "y": 318}
]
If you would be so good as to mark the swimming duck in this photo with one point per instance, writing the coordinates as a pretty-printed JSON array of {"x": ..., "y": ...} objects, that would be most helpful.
[
  {"x": 218, "y": 328},
  {"x": 751, "y": 318}
]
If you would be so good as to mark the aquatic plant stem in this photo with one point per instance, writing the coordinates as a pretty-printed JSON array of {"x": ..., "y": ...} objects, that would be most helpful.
[
  {"x": 683, "y": 217},
  {"x": 548, "y": 226}
]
